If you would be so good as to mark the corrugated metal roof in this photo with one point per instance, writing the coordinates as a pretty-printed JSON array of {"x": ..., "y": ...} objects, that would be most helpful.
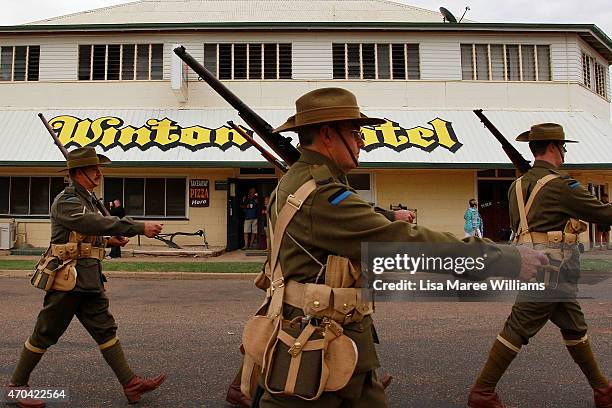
[
  {"x": 26, "y": 142},
  {"x": 273, "y": 11}
]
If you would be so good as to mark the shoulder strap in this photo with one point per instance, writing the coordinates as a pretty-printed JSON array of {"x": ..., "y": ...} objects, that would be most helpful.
[
  {"x": 524, "y": 208},
  {"x": 286, "y": 214}
]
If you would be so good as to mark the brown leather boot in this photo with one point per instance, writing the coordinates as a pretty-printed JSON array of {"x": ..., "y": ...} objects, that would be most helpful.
[
  {"x": 236, "y": 397},
  {"x": 23, "y": 402},
  {"x": 138, "y": 386},
  {"x": 603, "y": 397},
  {"x": 484, "y": 398},
  {"x": 386, "y": 380}
]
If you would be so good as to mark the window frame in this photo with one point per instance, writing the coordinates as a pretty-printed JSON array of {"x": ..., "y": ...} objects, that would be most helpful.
[
  {"x": 26, "y": 61},
  {"x": 263, "y": 68},
  {"x": 50, "y": 195},
  {"x": 535, "y": 69},
  {"x": 595, "y": 75},
  {"x": 157, "y": 62},
  {"x": 408, "y": 49},
  {"x": 144, "y": 215}
]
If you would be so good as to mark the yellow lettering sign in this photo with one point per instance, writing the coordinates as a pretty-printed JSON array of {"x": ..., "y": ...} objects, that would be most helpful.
[{"x": 109, "y": 132}]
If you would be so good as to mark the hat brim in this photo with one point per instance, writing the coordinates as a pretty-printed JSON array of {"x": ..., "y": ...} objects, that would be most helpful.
[
  {"x": 524, "y": 137},
  {"x": 364, "y": 120},
  {"x": 102, "y": 161}
]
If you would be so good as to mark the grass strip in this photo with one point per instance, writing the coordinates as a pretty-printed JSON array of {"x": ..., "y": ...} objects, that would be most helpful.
[{"x": 194, "y": 267}]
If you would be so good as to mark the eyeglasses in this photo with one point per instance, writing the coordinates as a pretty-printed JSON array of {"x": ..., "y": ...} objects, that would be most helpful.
[
  {"x": 357, "y": 134},
  {"x": 562, "y": 147}
]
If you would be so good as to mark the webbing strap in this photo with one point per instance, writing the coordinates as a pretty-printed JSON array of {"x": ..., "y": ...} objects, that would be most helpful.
[
  {"x": 291, "y": 207},
  {"x": 524, "y": 208}
]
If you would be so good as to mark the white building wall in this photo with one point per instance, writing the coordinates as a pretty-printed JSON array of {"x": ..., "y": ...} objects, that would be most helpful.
[{"x": 440, "y": 85}]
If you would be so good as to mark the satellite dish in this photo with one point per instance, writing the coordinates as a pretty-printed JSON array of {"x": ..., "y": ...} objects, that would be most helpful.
[{"x": 448, "y": 16}]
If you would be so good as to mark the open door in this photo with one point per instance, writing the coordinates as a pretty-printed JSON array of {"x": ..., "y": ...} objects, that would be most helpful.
[
  {"x": 493, "y": 200},
  {"x": 233, "y": 215}
]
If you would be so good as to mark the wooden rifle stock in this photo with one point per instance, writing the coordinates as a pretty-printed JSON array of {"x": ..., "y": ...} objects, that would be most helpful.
[
  {"x": 281, "y": 145},
  {"x": 266, "y": 154},
  {"x": 64, "y": 151},
  {"x": 515, "y": 157}
]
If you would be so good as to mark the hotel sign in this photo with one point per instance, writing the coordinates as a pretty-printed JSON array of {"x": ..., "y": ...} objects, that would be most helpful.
[{"x": 110, "y": 131}]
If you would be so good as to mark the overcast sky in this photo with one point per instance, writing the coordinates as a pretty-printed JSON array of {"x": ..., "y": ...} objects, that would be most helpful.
[{"x": 541, "y": 11}]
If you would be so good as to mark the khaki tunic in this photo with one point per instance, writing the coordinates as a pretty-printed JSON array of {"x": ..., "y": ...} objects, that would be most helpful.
[
  {"x": 558, "y": 201},
  {"x": 334, "y": 220},
  {"x": 74, "y": 210}
]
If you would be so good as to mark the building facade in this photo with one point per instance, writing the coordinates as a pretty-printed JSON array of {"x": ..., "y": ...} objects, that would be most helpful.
[{"x": 109, "y": 78}]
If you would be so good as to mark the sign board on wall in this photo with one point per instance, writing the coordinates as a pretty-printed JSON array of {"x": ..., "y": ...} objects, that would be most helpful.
[{"x": 199, "y": 193}]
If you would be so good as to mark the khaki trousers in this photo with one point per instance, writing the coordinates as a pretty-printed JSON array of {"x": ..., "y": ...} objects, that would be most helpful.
[
  {"x": 527, "y": 318},
  {"x": 60, "y": 307}
]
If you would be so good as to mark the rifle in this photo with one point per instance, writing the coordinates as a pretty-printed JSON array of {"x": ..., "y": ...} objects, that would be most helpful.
[
  {"x": 281, "y": 145},
  {"x": 64, "y": 151},
  {"x": 515, "y": 157},
  {"x": 266, "y": 154}
]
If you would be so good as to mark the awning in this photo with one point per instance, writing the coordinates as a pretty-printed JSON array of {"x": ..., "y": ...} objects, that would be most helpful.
[{"x": 201, "y": 138}]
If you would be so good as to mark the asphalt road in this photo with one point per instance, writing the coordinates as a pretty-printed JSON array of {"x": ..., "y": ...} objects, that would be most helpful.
[{"x": 191, "y": 330}]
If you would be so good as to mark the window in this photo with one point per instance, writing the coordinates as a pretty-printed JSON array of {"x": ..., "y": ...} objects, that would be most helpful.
[
  {"x": 249, "y": 61},
  {"x": 110, "y": 62},
  {"x": 362, "y": 183},
  {"x": 505, "y": 62},
  {"x": 376, "y": 61},
  {"x": 594, "y": 75},
  {"x": 148, "y": 197},
  {"x": 23, "y": 196},
  {"x": 19, "y": 63}
]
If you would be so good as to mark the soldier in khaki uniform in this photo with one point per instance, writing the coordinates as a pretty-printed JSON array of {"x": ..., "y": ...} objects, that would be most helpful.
[
  {"x": 331, "y": 222},
  {"x": 542, "y": 202},
  {"x": 77, "y": 242}
]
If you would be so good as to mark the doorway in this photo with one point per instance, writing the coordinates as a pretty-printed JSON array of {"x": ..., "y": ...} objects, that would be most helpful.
[
  {"x": 237, "y": 189},
  {"x": 493, "y": 200}
]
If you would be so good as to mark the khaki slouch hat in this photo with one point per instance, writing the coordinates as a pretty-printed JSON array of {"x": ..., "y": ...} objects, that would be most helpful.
[
  {"x": 326, "y": 105},
  {"x": 84, "y": 157},
  {"x": 544, "y": 132}
]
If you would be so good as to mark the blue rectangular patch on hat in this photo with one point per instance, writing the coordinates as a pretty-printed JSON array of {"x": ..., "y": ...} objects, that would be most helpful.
[{"x": 339, "y": 196}]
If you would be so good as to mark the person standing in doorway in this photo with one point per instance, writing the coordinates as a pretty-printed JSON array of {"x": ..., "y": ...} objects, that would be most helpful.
[
  {"x": 602, "y": 231},
  {"x": 473, "y": 220},
  {"x": 249, "y": 206},
  {"x": 116, "y": 210}
]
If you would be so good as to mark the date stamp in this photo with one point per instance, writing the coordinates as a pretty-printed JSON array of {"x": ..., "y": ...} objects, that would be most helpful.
[{"x": 14, "y": 394}]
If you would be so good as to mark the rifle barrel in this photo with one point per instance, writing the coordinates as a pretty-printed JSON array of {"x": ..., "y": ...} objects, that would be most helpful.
[
  {"x": 54, "y": 136},
  {"x": 64, "y": 151},
  {"x": 281, "y": 145},
  {"x": 514, "y": 155}
]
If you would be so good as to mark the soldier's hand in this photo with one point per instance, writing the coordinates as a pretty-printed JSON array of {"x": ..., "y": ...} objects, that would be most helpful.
[
  {"x": 117, "y": 241},
  {"x": 531, "y": 261},
  {"x": 152, "y": 229},
  {"x": 404, "y": 215}
]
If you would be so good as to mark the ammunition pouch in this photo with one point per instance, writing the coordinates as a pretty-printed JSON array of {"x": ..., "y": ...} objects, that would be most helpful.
[
  {"x": 560, "y": 247},
  {"x": 56, "y": 269},
  {"x": 77, "y": 250}
]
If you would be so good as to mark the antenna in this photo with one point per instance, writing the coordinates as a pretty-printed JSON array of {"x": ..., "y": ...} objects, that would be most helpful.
[
  {"x": 467, "y": 8},
  {"x": 448, "y": 16}
]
